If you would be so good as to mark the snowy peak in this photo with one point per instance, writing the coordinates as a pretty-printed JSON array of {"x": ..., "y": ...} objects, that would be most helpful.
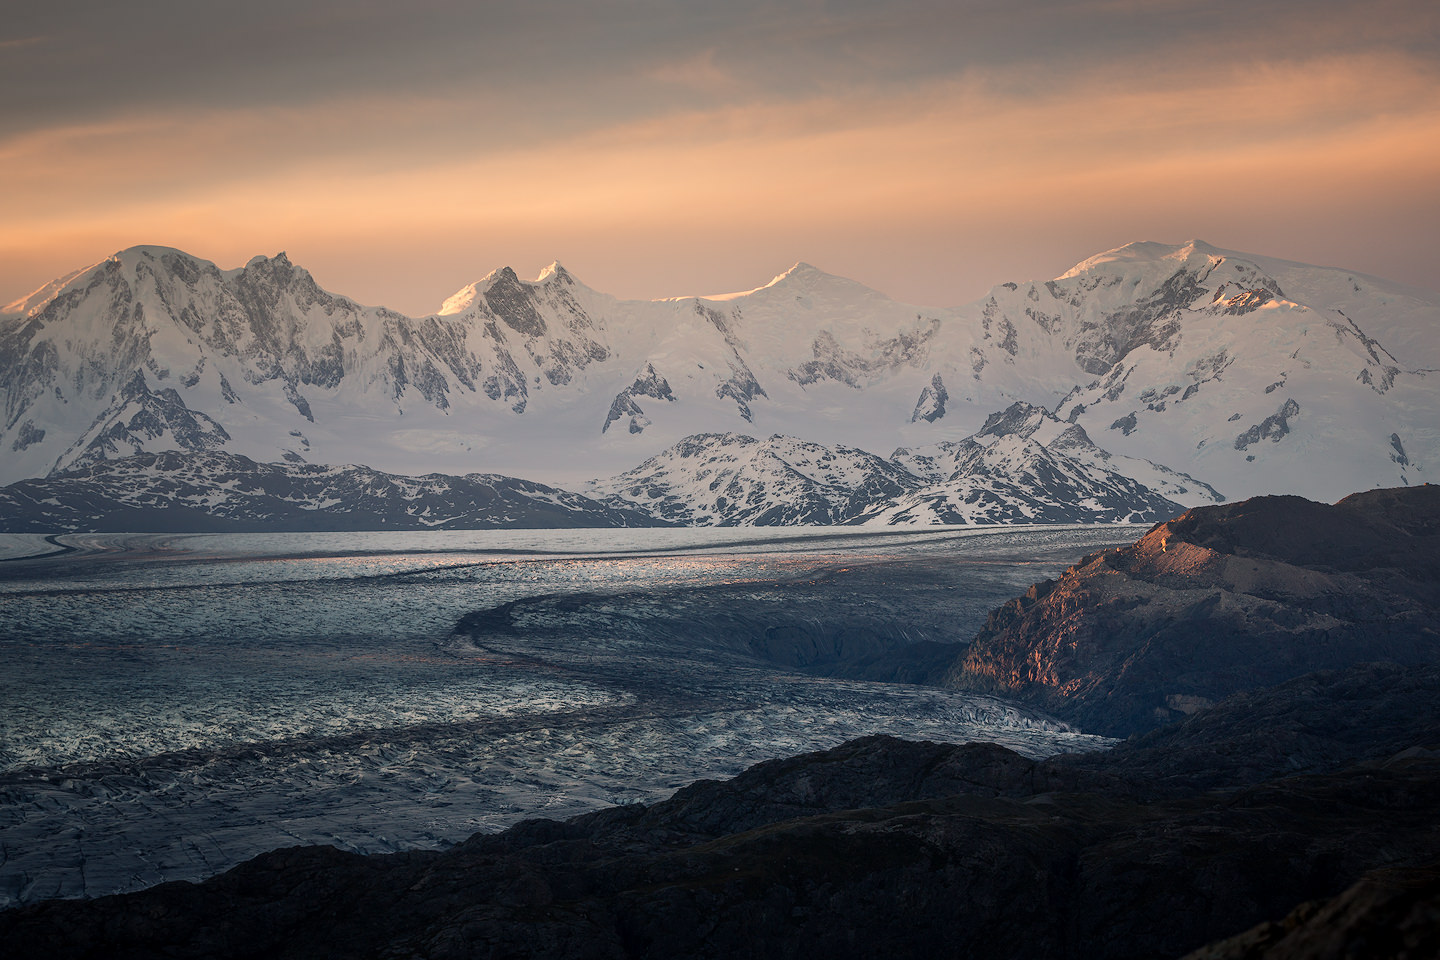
[
  {"x": 801, "y": 273},
  {"x": 806, "y": 281},
  {"x": 504, "y": 278},
  {"x": 467, "y": 296},
  {"x": 800, "y": 282},
  {"x": 555, "y": 273},
  {"x": 1148, "y": 252},
  {"x": 1025, "y": 447}
]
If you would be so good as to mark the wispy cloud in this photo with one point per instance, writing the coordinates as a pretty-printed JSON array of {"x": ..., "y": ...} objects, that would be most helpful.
[{"x": 700, "y": 72}]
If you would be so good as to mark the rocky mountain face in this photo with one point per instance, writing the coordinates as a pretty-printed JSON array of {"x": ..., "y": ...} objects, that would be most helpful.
[
  {"x": 877, "y": 847},
  {"x": 1221, "y": 599},
  {"x": 1249, "y": 374},
  {"x": 1023, "y": 466},
  {"x": 1026, "y": 466},
  {"x": 224, "y": 492}
]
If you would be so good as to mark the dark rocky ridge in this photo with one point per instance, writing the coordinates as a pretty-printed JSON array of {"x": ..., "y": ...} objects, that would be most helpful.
[
  {"x": 1391, "y": 914},
  {"x": 1219, "y": 600},
  {"x": 222, "y": 492},
  {"x": 877, "y": 847}
]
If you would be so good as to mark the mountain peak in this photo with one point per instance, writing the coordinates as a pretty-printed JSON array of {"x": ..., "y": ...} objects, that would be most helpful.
[
  {"x": 281, "y": 258},
  {"x": 130, "y": 258},
  {"x": 150, "y": 250},
  {"x": 125, "y": 259},
  {"x": 1019, "y": 419},
  {"x": 555, "y": 272},
  {"x": 466, "y": 295},
  {"x": 1146, "y": 251},
  {"x": 801, "y": 272},
  {"x": 802, "y": 277}
]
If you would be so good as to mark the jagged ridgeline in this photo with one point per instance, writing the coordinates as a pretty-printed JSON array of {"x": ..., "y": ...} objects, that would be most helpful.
[{"x": 1146, "y": 379}]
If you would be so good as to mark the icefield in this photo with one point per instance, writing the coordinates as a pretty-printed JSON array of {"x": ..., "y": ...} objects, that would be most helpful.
[{"x": 175, "y": 704}]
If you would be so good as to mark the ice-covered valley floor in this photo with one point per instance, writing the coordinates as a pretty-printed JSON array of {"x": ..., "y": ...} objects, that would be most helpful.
[{"x": 174, "y": 704}]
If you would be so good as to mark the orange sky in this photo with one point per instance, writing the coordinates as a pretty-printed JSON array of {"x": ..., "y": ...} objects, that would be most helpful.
[{"x": 930, "y": 152}]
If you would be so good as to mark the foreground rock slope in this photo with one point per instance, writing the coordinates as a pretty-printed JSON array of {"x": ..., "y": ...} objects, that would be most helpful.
[
  {"x": 1221, "y": 599},
  {"x": 1391, "y": 914}
]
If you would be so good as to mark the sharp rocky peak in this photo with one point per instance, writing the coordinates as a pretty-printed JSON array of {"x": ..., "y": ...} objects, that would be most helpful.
[
  {"x": 1019, "y": 419},
  {"x": 555, "y": 273},
  {"x": 505, "y": 277},
  {"x": 279, "y": 268}
]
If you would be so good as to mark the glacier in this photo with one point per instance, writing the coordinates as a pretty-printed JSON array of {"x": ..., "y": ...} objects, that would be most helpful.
[{"x": 173, "y": 704}]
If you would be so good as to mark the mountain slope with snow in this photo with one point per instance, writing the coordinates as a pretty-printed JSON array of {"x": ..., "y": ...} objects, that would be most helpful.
[
  {"x": 726, "y": 479},
  {"x": 1024, "y": 466},
  {"x": 1203, "y": 360},
  {"x": 1249, "y": 374}
]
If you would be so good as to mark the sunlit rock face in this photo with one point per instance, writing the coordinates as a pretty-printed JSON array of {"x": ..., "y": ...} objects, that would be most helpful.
[
  {"x": 1221, "y": 599},
  {"x": 1250, "y": 375}
]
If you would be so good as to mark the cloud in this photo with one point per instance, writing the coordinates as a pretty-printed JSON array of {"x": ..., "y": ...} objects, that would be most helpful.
[
  {"x": 700, "y": 72},
  {"x": 903, "y": 129}
]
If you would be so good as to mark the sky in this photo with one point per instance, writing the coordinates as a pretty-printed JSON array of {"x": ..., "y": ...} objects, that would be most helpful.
[{"x": 927, "y": 148}]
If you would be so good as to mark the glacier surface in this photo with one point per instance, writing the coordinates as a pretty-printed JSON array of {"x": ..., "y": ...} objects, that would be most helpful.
[{"x": 174, "y": 704}]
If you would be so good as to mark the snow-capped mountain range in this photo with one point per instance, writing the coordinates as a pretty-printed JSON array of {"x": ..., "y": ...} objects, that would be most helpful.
[{"x": 1237, "y": 373}]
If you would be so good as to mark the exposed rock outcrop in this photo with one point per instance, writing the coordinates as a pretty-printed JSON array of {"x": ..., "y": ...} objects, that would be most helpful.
[
  {"x": 1392, "y": 914},
  {"x": 647, "y": 383},
  {"x": 1219, "y": 600},
  {"x": 931, "y": 405}
]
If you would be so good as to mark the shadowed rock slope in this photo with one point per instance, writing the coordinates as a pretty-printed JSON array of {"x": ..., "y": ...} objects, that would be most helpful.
[
  {"x": 1218, "y": 600},
  {"x": 1392, "y": 914},
  {"x": 878, "y": 847}
]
